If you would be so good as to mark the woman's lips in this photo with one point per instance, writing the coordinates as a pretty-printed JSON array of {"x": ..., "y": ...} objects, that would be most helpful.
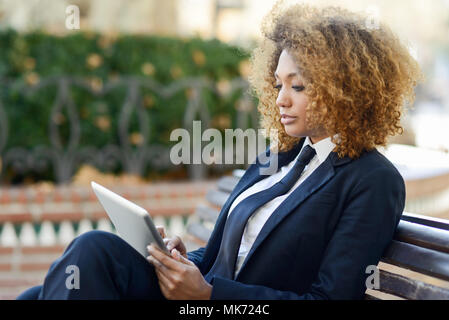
[{"x": 287, "y": 119}]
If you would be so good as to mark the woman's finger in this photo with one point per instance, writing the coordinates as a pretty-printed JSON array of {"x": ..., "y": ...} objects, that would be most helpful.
[
  {"x": 179, "y": 257},
  {"x": 173, "y": 243},
  {"x": 158, "y": 265},
  {"x": 162, "y": 283},
  {"x": 161, "y": 231},
  {"x": 154, "y": 262},
  {"x": 163, "y": 278},
  {"x": 164, "y": 263}
]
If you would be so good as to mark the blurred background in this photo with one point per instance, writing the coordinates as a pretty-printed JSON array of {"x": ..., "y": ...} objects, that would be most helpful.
[{"x": 99, "y": 103}]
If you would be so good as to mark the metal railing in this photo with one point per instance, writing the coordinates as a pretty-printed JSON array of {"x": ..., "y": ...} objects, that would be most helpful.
[{"x": 63, "y": 156}]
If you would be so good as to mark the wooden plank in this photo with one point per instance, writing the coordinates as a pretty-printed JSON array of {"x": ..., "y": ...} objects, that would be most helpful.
[
  {"x": 199, "y": 231},
  {"x": 217, "y": 197},
  {"x": 427, "y": 186},
  {"x": 426, "y": 220},
  {"x": 370, "y": 297},
  {"x": 423, "y": 236},
  {"x": 379, "y": 295},
  {"x": 227, "y": 183},
  {"x": 409, "y": 288},
  {"x": 191, "y": 243},
  {"x": 207, "y": 213},
  {"x": 415, "y": 258},
  {"x": 238, "y": 173}
]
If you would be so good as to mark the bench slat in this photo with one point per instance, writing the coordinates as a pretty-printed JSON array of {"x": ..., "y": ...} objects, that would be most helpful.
[
  {"x": 217, "y": 197},
  {"x": 423, "y": 236},
  {"x": 227, "y": 183},
  {"x": 415, "y": 258},
  {"x": 426, "y": 220},
  {"x": 207, "y": 213},
  {"x": 199, "y": 231},
  {"x": 238, "y": 173},
  {"x": 409, "y": 288},
  {"x": 370, "y": 297}
]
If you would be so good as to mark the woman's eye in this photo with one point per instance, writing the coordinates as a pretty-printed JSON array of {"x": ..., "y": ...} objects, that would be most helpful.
[{"x": 298, "y": 88}]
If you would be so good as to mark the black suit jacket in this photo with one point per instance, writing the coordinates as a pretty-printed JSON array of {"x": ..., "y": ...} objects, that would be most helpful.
[{"x": 318, "y": 243}]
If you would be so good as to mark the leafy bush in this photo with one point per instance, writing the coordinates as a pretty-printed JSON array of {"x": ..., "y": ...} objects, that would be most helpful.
[{"x": 27, "y": 60}]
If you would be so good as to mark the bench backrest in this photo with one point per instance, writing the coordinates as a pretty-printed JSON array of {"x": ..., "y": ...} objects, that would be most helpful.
[{"x": 421, "y": 244}]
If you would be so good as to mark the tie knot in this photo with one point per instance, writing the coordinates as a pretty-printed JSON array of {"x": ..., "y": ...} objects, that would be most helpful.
[{"x": 307, "y": 153}]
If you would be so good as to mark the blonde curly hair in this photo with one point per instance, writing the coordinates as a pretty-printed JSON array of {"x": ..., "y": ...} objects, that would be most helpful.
[{"x": 358, "y": 79}]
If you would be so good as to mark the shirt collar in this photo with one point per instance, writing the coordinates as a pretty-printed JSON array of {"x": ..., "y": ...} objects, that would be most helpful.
[{"x": 323, "y": 148}]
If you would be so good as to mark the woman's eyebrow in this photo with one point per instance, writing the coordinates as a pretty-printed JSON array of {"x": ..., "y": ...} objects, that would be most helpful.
[{"x": 290, "y": 75}]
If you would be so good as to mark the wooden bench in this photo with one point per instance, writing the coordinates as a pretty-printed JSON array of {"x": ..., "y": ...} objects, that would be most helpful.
[{"x": 420, "y": 246}]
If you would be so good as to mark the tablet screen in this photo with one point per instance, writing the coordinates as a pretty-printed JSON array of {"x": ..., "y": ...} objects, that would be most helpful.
[{"x": 132, "y": 222}]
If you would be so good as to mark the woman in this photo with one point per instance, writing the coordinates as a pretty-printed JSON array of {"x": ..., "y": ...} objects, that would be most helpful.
[{"x": 334, "y": 89}]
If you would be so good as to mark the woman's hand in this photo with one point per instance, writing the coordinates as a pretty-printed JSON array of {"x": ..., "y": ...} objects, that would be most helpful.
[
  {"x": 173, "y": 243},
  {"x": 179, "y": 278}
]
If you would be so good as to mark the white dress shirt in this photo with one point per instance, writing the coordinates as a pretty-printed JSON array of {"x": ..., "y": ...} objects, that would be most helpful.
[{"x": 255, "y": 223}]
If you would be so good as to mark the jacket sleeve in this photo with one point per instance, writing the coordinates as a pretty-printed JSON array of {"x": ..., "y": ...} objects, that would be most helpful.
[
  {"x": 196, "y": 256},
  {"x": 364, "y": 230}
]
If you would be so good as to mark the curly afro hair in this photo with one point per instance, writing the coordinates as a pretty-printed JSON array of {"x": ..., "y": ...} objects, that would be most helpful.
[{"x": 358, "y": 79}]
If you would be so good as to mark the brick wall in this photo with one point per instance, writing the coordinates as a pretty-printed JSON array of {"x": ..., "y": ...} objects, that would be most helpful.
[{"x": 37, "y": 223}]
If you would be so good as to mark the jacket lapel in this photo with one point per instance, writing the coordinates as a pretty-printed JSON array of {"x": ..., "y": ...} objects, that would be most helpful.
[
  {"x": 251, "y": 176},
  {"x": 316, "y": 180}
]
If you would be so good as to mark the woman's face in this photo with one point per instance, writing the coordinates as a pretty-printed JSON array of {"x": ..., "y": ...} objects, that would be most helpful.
[{"x": 292, "y": 101}]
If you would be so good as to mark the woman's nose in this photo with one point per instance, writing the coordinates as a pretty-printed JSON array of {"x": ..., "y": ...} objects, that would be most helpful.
[{"x": 283, "y": 100}]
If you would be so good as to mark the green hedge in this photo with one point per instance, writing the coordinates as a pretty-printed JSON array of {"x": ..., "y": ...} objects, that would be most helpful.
[{"x": 27, "y": 59}]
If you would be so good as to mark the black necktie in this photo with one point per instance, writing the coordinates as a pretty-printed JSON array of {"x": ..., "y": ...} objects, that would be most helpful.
[{"x": 232, "y": 234}]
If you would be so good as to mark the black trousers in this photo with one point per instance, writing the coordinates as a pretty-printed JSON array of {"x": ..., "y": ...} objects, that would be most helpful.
[{"x": 98, "y": 265}]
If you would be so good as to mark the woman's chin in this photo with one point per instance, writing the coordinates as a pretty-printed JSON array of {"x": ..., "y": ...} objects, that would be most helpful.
[{"x": 293, "y": 133}]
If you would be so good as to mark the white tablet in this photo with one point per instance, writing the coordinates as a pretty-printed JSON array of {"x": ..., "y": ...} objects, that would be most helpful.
[{"x": 133, "y": 223}]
